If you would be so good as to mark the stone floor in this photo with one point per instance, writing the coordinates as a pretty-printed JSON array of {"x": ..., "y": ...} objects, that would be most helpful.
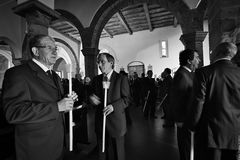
[{"x": 145, "y": 140}]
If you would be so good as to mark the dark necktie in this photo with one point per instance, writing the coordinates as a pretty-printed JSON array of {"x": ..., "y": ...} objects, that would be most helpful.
[
  {"x": 105, "y": 78},
  {"x": 54, "y": 79},
  {"x": 49, "y": 73},
  {"x": 51, "y": 76}
]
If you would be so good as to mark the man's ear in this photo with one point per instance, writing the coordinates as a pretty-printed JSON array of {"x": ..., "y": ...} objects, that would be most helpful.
[
  {"x": 35, "y": 51},
  {"x": 189, "y": 62}
]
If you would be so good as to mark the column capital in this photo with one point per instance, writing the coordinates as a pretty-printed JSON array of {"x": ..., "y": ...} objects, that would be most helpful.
[
  {"x": 193, "y": 37},
  {"x": 195, "y": 40},
  {"x": 35, "y": 9},
  {"x": 90, "y": 51},
  {"x": 38, "y": 17},
  {"x": 90, "y": 55}
]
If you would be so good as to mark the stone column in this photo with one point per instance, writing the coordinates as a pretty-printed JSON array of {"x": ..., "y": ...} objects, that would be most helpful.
[
  {"x": 223, "y": 19},
  {"x": 38, "y": 17},
  {"x": 90, "y": 55},
  {"x": 194, "y": 41}
]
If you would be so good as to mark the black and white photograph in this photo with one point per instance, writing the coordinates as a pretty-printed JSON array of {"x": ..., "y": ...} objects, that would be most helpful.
[{"x": 119, "y": 80}]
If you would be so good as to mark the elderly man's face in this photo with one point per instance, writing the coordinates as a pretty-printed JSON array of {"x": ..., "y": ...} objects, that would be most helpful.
[{"x": 47, "y": 51}]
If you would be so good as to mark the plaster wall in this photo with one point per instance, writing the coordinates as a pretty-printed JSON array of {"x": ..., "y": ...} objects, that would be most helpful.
[
  {"x": 84, "y": 10},
  {"x": 144, "y": 46}
]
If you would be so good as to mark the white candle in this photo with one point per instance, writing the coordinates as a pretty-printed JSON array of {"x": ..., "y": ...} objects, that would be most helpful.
[
  {"x": 70, "y": 112},
  {"x": 104, "y": 121},
  {"x": 192, "y": 146}
]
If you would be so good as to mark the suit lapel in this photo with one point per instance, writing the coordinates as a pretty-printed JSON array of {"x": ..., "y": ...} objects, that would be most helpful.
[
  {"x": 41, "y": 74},
  {"x": 58, "y": 83},
  {"x": 112, "y": 81}
]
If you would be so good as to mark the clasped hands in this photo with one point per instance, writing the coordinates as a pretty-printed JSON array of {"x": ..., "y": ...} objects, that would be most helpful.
[
  {"x": 95, "y": 100},
  {"x": 66, "y": 103}
]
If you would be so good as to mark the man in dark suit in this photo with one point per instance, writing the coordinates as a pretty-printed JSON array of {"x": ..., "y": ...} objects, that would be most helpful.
[
  {"x": 165, "y": 89},
  {"x": 180, "y": 97},
  {"x": 118, "y": 99},
  {"x": 214, "y": 113},
  {"x": 33, "y": 101},
  {"x": 151, "y": 88}
]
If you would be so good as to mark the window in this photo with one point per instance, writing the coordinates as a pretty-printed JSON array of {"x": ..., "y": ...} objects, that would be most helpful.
[{"x": 163, "y": 49}]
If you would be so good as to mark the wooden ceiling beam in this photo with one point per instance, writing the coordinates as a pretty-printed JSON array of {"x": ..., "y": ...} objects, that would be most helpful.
[
  {"x": 67, "y": 35},
  {"x": 107, "y": 32},
  {"x": 175, "y": 22},
  {"x": 68, "y": 29},
  {"x": 124, "y": 22},
  {"x": 62, "y": 27},
  {"x": 145, "y": 7}
]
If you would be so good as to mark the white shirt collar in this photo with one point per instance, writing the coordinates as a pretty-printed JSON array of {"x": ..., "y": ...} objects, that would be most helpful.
[
  {"x": 110, "y": 74},
  {"x": 189, "y": 70},
  {"x": 41, "y": 65},
  {"x": 222, "y": 59}
]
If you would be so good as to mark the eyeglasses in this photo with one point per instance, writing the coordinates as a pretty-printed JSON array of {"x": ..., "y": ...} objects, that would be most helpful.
[{"x": 52, "y": 48}]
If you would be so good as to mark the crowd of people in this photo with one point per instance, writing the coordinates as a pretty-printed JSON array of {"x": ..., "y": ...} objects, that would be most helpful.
[{"x": 204, "y": 101}]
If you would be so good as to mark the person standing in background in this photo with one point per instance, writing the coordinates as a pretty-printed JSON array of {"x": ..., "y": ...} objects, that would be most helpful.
[
  {"x": 150, "y": 96},
  {"x": 136, "y": 89},
  {"x": 33, "y": 101},
  {"x": 180, "y": 98},
  {"x": 165, "y": 88},
  {"x": 118, "y": 99},
  {"x": 214, "y": 112}
]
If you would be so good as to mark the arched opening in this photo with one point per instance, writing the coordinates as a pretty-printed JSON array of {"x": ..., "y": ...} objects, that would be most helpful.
[
  {"x": 62, "y": 59},
  {"x": 66, "y": 53},
  {"x": 60, "y": 67},
  {"x": 5, "y": 60},
  {"x": 136, "y": 66},
  {"x": 144, "y": 43},
  {"x": 73, "y": 43},
  {"x": 4, "y": 65},
  {"x": 8, "y": 45}
]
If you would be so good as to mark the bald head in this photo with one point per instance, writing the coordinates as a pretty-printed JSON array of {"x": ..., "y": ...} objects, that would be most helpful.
[{"x": 224, "y": 50}]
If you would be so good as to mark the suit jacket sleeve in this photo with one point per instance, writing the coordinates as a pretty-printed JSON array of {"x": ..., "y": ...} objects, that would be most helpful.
[
  {"x": 123, "y": 102},
  {"x": 18, "y": 103},
  {"x": 180, "y": 96},
  {"x": 196, "y": 108}
]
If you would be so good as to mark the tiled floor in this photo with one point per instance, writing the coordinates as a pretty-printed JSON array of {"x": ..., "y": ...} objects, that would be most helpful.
[{"x": 145, "y": 140}]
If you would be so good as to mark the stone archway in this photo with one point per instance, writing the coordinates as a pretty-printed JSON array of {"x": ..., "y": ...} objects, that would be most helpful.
[
  {"x": 70, "y": 56},
  {"x": 136, "y": 66},
  {"x": 191, "y": 23},
  {"x": 108, "y": 9},
  {"x": 60, "y": 68},
  {"x": 111, "y": 51},
  {"x": 72, "y": 19},
  {"x": 5, "y": 63},
  {"x": 15, "y": 52}
]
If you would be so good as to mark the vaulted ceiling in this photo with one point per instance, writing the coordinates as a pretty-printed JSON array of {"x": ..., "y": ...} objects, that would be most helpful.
[{"x": 128, "y": 20}]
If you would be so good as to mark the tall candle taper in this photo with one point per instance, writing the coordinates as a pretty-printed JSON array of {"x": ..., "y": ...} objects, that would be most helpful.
[{"x": 69, "y": 69}]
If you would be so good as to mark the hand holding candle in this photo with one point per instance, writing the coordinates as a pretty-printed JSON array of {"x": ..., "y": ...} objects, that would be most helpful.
[
  {"x": 69, "y": 71},
  {"x": 106, "y": 84}
]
